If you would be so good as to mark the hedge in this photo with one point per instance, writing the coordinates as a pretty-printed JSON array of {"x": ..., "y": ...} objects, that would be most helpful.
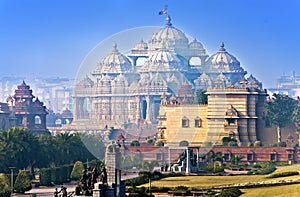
[
  {"x": 5, "y": 189},
  {"x": 57, "y": 175},
  {"x": 283, "y": 174}
]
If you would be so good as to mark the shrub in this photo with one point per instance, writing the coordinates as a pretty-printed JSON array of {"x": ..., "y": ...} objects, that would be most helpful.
[
  {"x": 77, "y": 171},
  {"x": 232, "y": 143},
  {"x": 266, "y": 168},
  {"x": 214, "y": 169},
  {"x": 135, "y": 143},
  {"x": 159, "y": 143},
  {"x": 281, "y": 144},
  {"x": 149, "y": 141},
  {"x": 231, "y": 192},
  {"x": 5, "y": 189},
  {"x": 257, "y": 144},
  {"x": 283, "y": 174},
  {"x": 23, "y": 182}
]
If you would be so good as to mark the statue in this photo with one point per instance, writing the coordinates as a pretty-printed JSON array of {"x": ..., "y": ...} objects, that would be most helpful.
[
  {"x": 103, "y": 175},
  {"x": 94, "y": 176}
]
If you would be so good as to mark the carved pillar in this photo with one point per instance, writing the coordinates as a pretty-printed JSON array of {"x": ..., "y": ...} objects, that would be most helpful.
[
  {"x": 138, "y": 109},
  {"x": 149, "y": 106}
]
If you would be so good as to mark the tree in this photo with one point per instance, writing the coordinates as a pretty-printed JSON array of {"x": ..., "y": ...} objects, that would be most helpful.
[
  {"x": 135, "y": 143},
  {"x": 236, "y": 159},
  {"x": 127, "y": 162},
  {"x": 214, "y": 157},
  {"x": 23, "y": 182},
  {"x": 200, "y": 97},
  {"x": 77, "y": 171},
  {"x": 5, "y": 189},
  {"x": 279, "y": 111},
  {"x": 159, "y": 143}
]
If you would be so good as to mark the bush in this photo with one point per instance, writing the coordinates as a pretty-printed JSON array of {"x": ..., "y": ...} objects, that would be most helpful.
[
  {"x": 159, "y": 143},
  {"x": 283, "y": 174},
  {"x": 231, "y": 192},
  {"x": 232, "y": 143},
  {"x": 135, "y": 143},
  {"x": 257, "y": 144},
  {"x": 77, "y": 171},
  {"x": 5, "y": 189},
  {"x": 211, "y": 168},
  {"x": 23, "y": 182},
  {"x": 149, "y": 141},
  {"x": 266, "y": 168}
]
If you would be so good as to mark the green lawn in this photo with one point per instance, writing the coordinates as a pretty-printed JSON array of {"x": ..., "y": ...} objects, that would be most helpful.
[
  {"x": 208, "y": 181},
  {"x": 276, "y": 191}
]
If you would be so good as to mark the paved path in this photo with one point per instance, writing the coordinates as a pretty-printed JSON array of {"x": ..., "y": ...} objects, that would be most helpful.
[{"x": 49, "y": 191}]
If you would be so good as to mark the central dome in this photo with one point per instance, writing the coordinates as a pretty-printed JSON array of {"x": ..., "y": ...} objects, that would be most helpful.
[{"x": 170, "y": 37}]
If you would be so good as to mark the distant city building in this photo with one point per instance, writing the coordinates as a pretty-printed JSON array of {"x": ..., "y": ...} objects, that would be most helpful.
[
  {"x": 56, "y": 93},
  {"x": 288, "y": 85}
]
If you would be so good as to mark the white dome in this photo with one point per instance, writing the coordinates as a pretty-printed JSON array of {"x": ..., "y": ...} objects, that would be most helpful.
[
  {"x": 141, "y": 46},
  {"x": 224, "y": 61},
  {"x": 113, "y": 63},
  {"x": 195, "y": 44},
  {"x": 163, "y": 61},
  {"x": 169, "y": 36}
]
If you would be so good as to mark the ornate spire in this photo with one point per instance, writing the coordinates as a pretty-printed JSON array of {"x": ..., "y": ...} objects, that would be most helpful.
[
  {"x": 168, "y": 21},
  {"x": 115, "y": 47},
  {"x": 222, "y": 47}
]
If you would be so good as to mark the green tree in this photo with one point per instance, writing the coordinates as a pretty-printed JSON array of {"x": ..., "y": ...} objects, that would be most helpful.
[
  {"x": 296, "y": 116},
  {"x": 159, "y": 143},
  {"x": 127, "y": 162},
  {"x": 137, "y": 160},
  {"x": 135, "y": 143},
  {"x": 23, "y": 182},
  {"x": 279, "y": 111},
  {"x": 5, "y": 189},
  {"x": 77, "y": 171},
  {"x": 200, "y": 97},
  {"x": 258, "y": 143},
  {"x": 213, "y": 157},
  {"x": 236, "y": 159}
]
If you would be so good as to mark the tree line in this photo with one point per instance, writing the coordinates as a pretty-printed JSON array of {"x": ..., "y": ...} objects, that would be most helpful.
[{"x": 21, "y": 149}]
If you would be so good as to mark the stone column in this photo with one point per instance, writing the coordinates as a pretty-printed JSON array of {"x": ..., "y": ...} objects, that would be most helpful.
[
  {"x": 113, "y": 166},
  {"x": 148, "y": 113},
  {"x": 138, "y": 109}
]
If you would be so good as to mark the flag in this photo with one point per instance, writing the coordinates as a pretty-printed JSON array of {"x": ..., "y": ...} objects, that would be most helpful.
[{"x": 164, "y": 11}]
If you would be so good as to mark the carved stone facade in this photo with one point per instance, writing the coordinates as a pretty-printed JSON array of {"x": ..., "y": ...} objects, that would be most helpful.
[
  {"x": 30, "y": 114},
  {"x": 120, "y": 92}
]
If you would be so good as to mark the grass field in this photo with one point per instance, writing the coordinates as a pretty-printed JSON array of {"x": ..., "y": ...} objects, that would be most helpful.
[
  {"x": 208, "y": 181},
  {"x": 276, "y": 191}
]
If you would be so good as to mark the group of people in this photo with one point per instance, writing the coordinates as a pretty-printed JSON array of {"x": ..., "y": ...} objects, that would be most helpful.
[{"x": 63, "y": 192}]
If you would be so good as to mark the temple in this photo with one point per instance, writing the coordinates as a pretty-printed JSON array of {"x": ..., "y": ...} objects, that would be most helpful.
[{"x": 155, "y": 98}]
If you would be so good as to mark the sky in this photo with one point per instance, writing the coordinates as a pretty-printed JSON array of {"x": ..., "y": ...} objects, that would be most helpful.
[{"x": 53, "y": 37}]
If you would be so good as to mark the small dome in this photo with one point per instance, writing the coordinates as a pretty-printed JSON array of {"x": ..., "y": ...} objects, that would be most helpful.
[
  {"x": 120, "y": 80},
  {"x": 224, "y": 61},
  {"x": 195, "y": 45},
  {"x": 113, "y": 63},
  {"x": 141, "y": 46},
  {"x": 157, "y": 80}
]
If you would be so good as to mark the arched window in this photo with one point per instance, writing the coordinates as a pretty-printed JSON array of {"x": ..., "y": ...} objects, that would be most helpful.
[
  {"x": 37, "y": 120},
  {"x": 198, "y": 122},
  {"x": 58, "y": 122},
  {"x": 185, "y": 122}
]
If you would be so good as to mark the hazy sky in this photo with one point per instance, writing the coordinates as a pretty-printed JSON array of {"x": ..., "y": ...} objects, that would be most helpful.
[{"x": 52, "y": 37}]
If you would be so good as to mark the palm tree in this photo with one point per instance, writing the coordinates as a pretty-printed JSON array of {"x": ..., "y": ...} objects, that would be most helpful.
[
  {"x": 236, "y": 159},
  {"x": 214, "y": 157}
]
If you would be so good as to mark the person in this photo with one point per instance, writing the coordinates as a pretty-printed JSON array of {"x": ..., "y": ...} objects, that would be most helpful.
[
  {"x": 56, "y": 192},
  {"x": 64, "y": 191}
]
